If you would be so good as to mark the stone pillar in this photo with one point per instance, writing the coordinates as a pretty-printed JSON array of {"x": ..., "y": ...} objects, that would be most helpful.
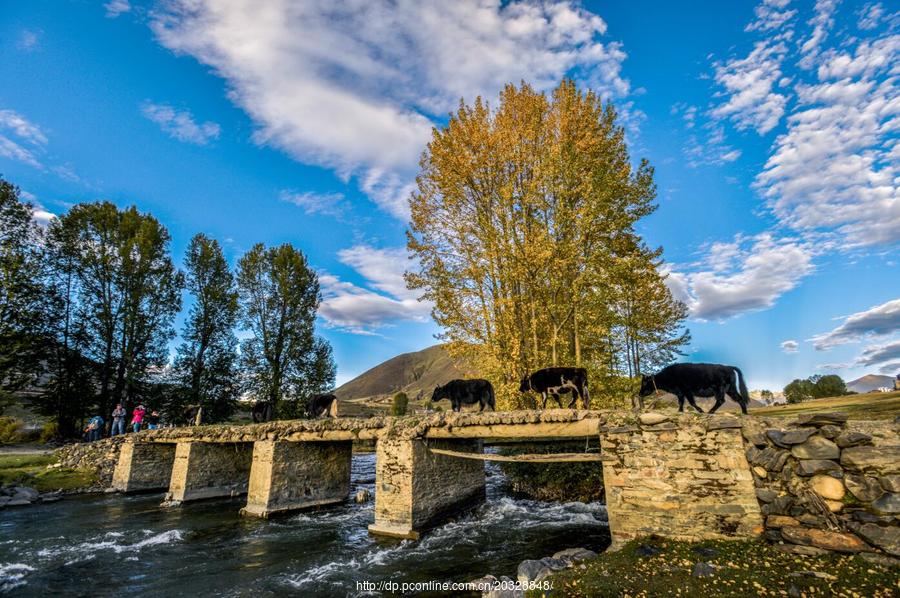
[
  {"x": 286, "y": 476},
  {"x": 679, "y": 480},
  {"x": 143, "y": 466},
  {"x": 209, "y": 470},
  {"x": 415, "y": 489}
]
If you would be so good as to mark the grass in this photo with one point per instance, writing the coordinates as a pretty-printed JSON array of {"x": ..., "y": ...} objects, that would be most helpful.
[
  {"x": 658, "y": 567},
  {"x": 33, "y": 471},
  {"x": 873, "y": 405}
]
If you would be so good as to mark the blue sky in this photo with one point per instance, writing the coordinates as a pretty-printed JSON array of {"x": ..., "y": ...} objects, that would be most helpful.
[{"x": 773, "y": 127}]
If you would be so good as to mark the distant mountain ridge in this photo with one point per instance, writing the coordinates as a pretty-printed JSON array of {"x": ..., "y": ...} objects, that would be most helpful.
[
  {"x": 415, "y": 373},
  {"x": 870, "y": 382}
]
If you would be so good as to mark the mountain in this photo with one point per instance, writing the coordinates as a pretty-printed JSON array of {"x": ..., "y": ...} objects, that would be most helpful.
[
  {"x": 870, "y": 382},
  {"x": 413, "y": 373}
]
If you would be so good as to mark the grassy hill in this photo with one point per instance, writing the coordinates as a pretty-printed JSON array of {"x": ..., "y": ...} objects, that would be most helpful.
[
  {"x": 416, "y": 374},
  {"x": 873, "y": 405}
]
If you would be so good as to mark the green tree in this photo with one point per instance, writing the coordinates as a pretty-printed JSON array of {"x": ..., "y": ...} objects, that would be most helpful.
[
  {"x": 206, "y": 362},
  {"x": 798, "y": 391},
  {"x": 831, "y": 385},
  {"x": 399, "y": 404},
  {"x": 22, "y": 296},
  {"x": 129, "y": 292},
  {"x": 283, "y": 360},
  {"x": 523, "y": 226},
  {"x": 767, "y": 395}
]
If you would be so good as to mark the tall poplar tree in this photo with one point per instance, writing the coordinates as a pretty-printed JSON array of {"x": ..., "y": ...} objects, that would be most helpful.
[
  {"x": 206, "y": 362},
  {"x": 523, "y": 226},
  {"x": 283, "y": 360}
]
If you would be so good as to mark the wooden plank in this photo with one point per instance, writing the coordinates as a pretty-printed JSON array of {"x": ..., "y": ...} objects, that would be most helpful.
[{"x": 527, "y": 458}]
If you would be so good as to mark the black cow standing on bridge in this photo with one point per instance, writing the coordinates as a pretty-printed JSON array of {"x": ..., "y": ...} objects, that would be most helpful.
[
  {"x": 689, "y": 380},
  {"x": 466, "y": 392},
  {"x": 557, "y": 381},
  {"x": 319, "y": 405}
]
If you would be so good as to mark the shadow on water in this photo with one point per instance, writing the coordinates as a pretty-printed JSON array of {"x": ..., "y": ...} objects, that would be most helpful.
[{"x": 109, "y": 544}]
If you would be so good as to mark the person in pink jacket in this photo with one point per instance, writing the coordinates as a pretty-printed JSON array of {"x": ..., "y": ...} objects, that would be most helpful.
[{"x": 137, "y": 417}]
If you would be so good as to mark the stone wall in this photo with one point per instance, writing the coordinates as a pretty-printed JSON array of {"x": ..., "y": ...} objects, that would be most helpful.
[
  {"x": 682, "y": 477},
  {"x": 99, "y": 457},
  {"x": 827, "y": 484}
]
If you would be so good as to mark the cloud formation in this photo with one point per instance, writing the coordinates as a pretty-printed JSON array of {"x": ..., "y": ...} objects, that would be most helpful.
[
  {"x": 180, "y": 124},
  {"x": 328, "y": 204},
  {"x": 879, "y": 354},
  {"x": 361, "y": 310},
  {"x": 20, "y": 139},
  {"x": 114, "y": 8},
  {"x": 354, "y": 86},
  {"x": 879, "y": 320},
  {"x": 790, "y": 346},
  {"x": 748, "y": 274}
]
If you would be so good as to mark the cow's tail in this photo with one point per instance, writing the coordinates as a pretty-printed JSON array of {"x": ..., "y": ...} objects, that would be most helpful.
[
  {"x": 490, "y": 397},
  {"x": 586, "y": 399},
  {"x": 742, "y": 386}
]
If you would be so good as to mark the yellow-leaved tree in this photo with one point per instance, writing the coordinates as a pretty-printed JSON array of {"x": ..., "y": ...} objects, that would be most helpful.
[{"x": 523, "y": 227}]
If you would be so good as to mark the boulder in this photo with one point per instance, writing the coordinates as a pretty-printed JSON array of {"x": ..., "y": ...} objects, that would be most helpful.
[
  {"x": 504, "y": 593},
  {"x": 822, "y": 419},
  {"x": 26, "y": 493},
  {"x": 863, "y": 487},
  {"x": 651, "y": 418},
  {"x": 890, "y": 483},
  {"x": 363, "y": 495},
  {"x": 848, "y": 439},
  {"x": 797, "y": 436},
  {"x": 826, "y": 540},
  {"x": 574, "y": 555},
  {"x": 887, "y": 504},
  {"x": 827, "y": 487},
  {"x": 809, "y": 467},
  {"x": 881, "y": 459},
  {"x": 532, "y": 570},
  {"x": 885, "y": 538},
  {"x": 816, "y": 447}
]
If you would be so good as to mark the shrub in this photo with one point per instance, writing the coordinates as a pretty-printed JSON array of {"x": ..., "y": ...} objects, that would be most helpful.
[
  {"x": 11, "y": 430},
  {"x": 49, "y": 431},
  {"x": 561, "y": 482},
  {"x": 399, "y": 404}
]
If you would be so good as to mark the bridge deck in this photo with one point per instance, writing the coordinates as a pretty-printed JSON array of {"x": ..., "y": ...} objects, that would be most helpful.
[{"x": 556, "y": 423}]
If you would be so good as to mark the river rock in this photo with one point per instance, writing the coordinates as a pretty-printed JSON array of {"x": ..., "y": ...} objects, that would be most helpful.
[
  {"x": 848, "y": 439},
  {"x": 26, "y": 493},
  {"x": 532, "y": 570},
  {"x": 827, "y": 540},
  {"x": 891, "y": 483},
  {"x": 779, "y": 521},
  {"x": 827, "y": 487},
  {"x": 887, "y": 504},
  {"x": 809, "y": 467},
  {"x": 363, "y": 495},
  {"x": 883, "y": 459},
  {"x": 574, "y": 555},
  {"x": 816, "y": 448},
  {"x": 822, "y": 419},
  {"x": 651, "y": 418},
  {"x": 18, "y": 502},
  {"x": 503, "y": 593},
  {"x": 885, "y": 538},
  {"x": 830, "y": 432},
  {"x": 862, "y": 487}
]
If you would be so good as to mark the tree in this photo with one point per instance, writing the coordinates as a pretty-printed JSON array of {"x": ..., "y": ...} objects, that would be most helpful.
[
  {"x": 798, "y": 391},
  {"x": 767, "y": 396},
  {"x": 22, "y": 297},
  {"x": 129, "y": 292},
  {"x": 523, "y": 229},
  {"x": 831, "y": 385},
  {"x": 283, "y": 360},
  {"x": 206, "y": 362}
]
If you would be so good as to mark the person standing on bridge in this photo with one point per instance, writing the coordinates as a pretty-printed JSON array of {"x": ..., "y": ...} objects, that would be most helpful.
[
  {"x": 137, "y": 418},
  {"x": 118, "y": 420},
  {"x": 153, "y": 420}
]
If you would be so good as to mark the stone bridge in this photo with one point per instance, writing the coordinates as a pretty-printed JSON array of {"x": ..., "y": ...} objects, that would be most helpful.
[{"x": 684, "y": 476}]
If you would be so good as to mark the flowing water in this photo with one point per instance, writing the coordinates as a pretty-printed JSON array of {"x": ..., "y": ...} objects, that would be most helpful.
[{"x": 105, "y": 545}]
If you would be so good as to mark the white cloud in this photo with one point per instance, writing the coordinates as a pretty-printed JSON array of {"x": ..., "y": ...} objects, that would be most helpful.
[
  {"x": 24, "y": 140},
  {"x": 29, "y": 40},
  {"x": 749, "y": 274},
  {"x": 870, "y": 15},
  {"x": 878, "y": 354},
  {"x": 354, "y": 86},
  {"x": 770, "y": 15},
  {"x": 329, "y": 204},
  {"x": 790, "y": 346},
  {"x": 879, "y": 320},
  {"x": 821, "y": 22},
  {"x": 180, "y": 124},
  {"x": 114, "y": 8},
  {"x": 387, "y": 300}
]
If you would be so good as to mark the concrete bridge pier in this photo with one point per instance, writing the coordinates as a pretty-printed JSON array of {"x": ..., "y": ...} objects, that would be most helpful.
[
  {"x": 416, "y": 489},
  {"x": 209, "y": 470},
  {"x": 287, "y": 476},
  {"x": 143, "y": 466}
]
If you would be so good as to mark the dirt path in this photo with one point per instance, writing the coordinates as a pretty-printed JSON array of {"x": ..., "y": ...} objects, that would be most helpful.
[{"x": 24, "y": 449}]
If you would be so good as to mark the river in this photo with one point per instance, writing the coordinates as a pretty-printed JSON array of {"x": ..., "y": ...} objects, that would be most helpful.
[{"x": 104, "y": 545}]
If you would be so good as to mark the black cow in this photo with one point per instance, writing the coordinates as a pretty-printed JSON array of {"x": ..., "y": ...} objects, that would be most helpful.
[
  {"x": 191, "y": 415},
  {"x": 556, "y": 381},
  {"x": 319, "y": 405},
  {"x": 466, "y": 392},
  {"x": 261, "y": 412},
  {"x": 687, "y": 380}
]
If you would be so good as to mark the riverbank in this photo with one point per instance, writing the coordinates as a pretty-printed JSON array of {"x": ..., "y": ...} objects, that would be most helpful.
[{"x": 658, "y": 567}]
